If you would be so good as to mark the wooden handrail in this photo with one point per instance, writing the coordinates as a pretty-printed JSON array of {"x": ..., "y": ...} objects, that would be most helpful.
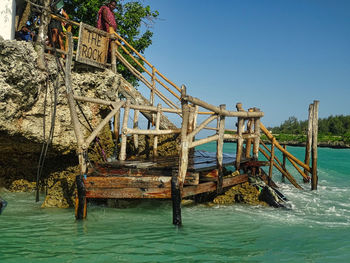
[
  {"x": 285, "y": 173},
  {"x": 217, "y": 110},
  {"x": 145, "y": 81},
  {"x": 271, "y": 137},
  {"x": 146, "y": 61}
]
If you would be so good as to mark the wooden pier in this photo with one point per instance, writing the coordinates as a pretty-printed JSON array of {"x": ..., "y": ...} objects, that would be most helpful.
[{"x": 189, "y": 172}]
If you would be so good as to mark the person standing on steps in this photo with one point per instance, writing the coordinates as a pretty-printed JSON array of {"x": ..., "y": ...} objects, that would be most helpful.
[
  {"x": 55, "y": 29},
  {"x": 105, "y": 18}
]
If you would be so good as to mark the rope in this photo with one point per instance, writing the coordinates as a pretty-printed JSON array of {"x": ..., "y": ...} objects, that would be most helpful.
[{"x": 46, "y": 143}]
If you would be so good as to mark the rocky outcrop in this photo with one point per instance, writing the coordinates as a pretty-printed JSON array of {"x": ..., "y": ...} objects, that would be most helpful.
[
  {"x": 27, "y": 96},
  {"x": 27, "y": 99},
  {"x": 242, "y": 193}
]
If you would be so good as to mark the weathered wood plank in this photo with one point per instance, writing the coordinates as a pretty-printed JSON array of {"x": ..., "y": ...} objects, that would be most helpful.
[
  {"x": 191, "y": 179},
  {"x": 127, "y": 182},
  {"x": 211, "y": 186},
  {"x": 132, "y": 193}
]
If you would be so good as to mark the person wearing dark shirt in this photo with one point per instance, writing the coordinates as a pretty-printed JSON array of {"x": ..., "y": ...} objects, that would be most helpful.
[{"x": 25, "y": 34}]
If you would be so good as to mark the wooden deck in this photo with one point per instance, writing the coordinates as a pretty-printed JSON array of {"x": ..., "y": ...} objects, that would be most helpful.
[{"x": 152, "y": 178}]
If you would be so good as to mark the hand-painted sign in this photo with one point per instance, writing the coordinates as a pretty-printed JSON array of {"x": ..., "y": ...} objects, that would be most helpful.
[{"x": 92, "y": 46}]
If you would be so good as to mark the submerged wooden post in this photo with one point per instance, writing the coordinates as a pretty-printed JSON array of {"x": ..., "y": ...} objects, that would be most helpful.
[
  {"x": 122, "y": 155},
  {"x": 309, "y": 137},
  {"x": 179, "y": 178},
  {"x": 219, "y": 150},
  {"x": 80, "y": 199},
  {"x": 314, "y": 177},
  {"x": 176, "y": 198},
  {"x": 155, "y": 142},
  {"x": 81, "y": 194}
]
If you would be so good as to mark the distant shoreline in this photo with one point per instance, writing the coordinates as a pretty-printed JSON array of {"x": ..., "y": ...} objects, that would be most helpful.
[{"x": 334, "y": 145}]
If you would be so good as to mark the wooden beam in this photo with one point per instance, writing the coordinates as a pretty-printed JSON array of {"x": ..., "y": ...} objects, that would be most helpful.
[
  {"x": 211, "y": 186},
  {"x": 270, "y": 136},
  {"x": 257, "y": 134},
  {"x": 250, "y": 132},
  {"x": 113, "y": 56},
  {"x": 155, "y": 141},
  {"x": 110, "y": 182},
  {"x": 309, "y": 137},
  {"x": 217, "y": 110},
  {"x": 132, "y": 193},
  {"x": 122, "y": 155},
  {"x": 285, "y": 173},
  {"x": 219, "y": 149},
  {"x": 314, "y": 177},
  {"x": 176, "y": 194},
  {"x": 136, "y": 127},
  {"x": 271, "y": 160},
  {"x": 103, "y": 123}
]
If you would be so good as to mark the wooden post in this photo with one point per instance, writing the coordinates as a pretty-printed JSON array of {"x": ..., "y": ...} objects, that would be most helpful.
[
  {"x": 240, "y": 128},
  {"x": 176, "y": 197},
  {"x": 71, "y": 103},
  {"x": 257, "y": 134},
  {"x": 184, "y": 143},
  {"x": 113, "y": 56},
  {"x": 69, "y": 29},
  {"x": 251, "y": 131},
  {"x": 195, "y": 118},
  {"x": 155, "y": 142},
  {"x": 43, "y": 28},
  {"x": 136, "y": 126},
  {"x": 81, "y": 198},
  {"x": 271, "y": 160},
  {"x": 309, "y": 137},
  {"x": 80, "y": 202},
  {"x": 179, "y": 178},
  {"x": 284, "y": 163},
  {"x": 219, "y": 150},
  {"x": 116, "y": 124},
  {"x": 152, "y": 94},
  {"x": 314, "y": 177},
  {"x": 122, "y": 155}
]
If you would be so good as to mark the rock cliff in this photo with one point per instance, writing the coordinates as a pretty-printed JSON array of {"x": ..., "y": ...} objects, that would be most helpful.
[{"x": 26, "y": 97}]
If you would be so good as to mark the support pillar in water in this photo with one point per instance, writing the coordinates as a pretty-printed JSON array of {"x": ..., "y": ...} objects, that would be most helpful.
[
  {"x": 176, "y": 199},
  {"x": 80, "y": 203}
]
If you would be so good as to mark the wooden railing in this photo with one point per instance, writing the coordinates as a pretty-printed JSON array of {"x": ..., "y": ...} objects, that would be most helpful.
[
  {"x": 248, "y": 124},
  {"x": 303, "y": 168},
  {"x": 190, "y": 128}
]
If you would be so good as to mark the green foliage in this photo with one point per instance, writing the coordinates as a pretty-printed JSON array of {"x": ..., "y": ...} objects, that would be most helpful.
[
  {"x": 133, "y": 20},
  {"x": 331, "y": 129}
]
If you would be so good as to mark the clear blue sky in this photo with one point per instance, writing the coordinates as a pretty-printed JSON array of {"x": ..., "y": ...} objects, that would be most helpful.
[{"x": 275, "y": 55}]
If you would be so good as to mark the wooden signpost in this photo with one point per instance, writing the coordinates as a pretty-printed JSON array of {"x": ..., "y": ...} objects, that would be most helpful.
[{"x": 92, "y": 46}]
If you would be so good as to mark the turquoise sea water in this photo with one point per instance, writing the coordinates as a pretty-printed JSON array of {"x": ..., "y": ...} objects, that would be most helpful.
[{"x": 317, "y": 229}]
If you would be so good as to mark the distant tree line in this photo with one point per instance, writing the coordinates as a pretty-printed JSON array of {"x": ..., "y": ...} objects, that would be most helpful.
[{"x": 333, "y": 125}]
